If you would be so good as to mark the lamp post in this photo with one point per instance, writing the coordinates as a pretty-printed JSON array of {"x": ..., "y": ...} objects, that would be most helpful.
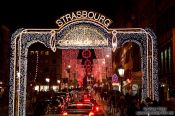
[
  {"x": 48, "y": 80},
  {"x": 107, "y": 56},
  {"x": 69, "y": 66},
  {"x": 121, "y": 73},
  {"x": 106, "y": 73},
  {"x": 59, "y": 84}
]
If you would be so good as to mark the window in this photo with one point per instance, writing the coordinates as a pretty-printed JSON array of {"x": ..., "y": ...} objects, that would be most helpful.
[
  {"x": 32, "y": 52},
  {"x": 54, "y": 61},
  {"x": 47, "y": 53},
  {"x": 1, "y": 44},
  {"x": 162, "y": 64},
  {"x": 46, "y": 61},
  {"x": 165, "y": 58},
  {"x": 169, "y": 59},
  {"x": 36, "y": 52},
  {"x": 42, "y": 52}
]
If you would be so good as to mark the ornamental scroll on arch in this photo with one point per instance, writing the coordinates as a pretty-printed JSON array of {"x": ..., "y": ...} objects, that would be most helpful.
[
  {"x": 53, "y": 40},
  {"x": 114, "y": 40}
]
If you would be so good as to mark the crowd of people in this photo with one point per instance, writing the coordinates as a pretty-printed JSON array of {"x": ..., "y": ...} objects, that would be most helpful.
[{"x": 127, "y": 104}]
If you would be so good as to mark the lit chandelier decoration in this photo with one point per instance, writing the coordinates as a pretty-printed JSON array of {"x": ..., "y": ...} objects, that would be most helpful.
[{"x": 75, "y": 27}]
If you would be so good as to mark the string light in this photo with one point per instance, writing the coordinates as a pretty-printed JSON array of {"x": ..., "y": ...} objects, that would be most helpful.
[
  {"x": 37, "y": 60},
  {"x": 29, "y": 36},
  {"x": 154, "y": 64},
  {"x": 13, "y": 70}
]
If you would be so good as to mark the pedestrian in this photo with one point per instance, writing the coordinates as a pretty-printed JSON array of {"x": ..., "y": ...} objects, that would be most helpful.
[
  {"x": 122, "y": 105},
  {"x": 170, "y": 104},
  {"x": 134, "y": 107}
]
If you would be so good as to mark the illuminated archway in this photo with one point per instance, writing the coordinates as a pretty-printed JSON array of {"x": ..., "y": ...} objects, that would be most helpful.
[
  {"x": 75, "y": 29},
  {"x": 149, "y": 62}
]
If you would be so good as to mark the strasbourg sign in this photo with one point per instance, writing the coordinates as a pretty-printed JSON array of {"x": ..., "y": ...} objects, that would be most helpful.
[{"x": 81, "y": 15}]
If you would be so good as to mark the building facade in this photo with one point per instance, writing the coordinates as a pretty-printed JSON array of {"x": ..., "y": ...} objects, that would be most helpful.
[
  {"x": 43, "y": 64},
  {"x": 159, "y": 15}
]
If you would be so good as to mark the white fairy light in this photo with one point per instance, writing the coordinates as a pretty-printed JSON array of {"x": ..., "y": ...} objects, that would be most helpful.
[
  {"x": 12, "y": 71},
  {"x": 36, "y": 70},
  {"x": 154, "y": 64}
]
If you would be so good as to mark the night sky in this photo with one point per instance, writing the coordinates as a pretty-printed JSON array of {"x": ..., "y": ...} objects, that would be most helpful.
[{"x": 40, "y": 14}]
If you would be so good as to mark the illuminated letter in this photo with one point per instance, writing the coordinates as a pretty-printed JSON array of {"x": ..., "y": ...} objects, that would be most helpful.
[
  {"x": 73, "y": 16},
  {"x": 84, "y": 14},
  {"x": 90, "y": 15},
  {"x": 102, "y": 18},
  {"x": 107, "y": 22},
  {"x": 63, "y": 19},
  {"x": 59, "y": 22},
  {"x": 96, "y": 17},
  {"x": 78, "y": 14},
  {"x": 68, "y": 17}
]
